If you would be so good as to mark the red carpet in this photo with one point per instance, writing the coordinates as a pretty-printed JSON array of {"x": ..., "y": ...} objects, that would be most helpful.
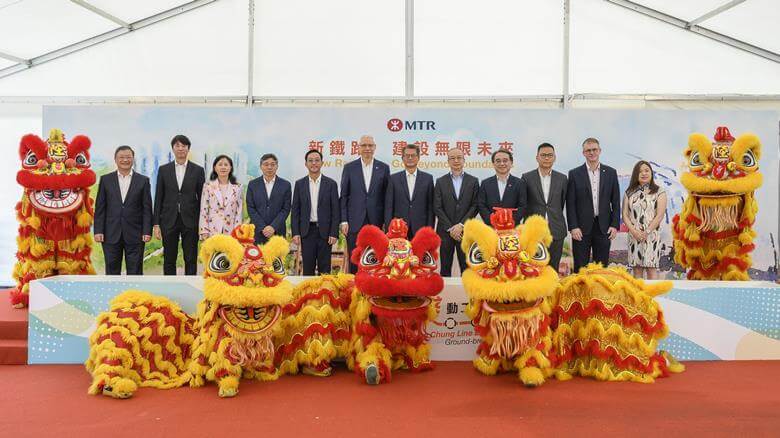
[{"x": 709, "y": 399}]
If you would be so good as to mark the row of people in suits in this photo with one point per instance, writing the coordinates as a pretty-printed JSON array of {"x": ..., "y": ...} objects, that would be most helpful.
[{"x": 188, "y": 208}]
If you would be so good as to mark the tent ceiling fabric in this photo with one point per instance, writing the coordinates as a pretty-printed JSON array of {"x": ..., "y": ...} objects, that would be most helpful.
[{"x": 356, "y": 48}]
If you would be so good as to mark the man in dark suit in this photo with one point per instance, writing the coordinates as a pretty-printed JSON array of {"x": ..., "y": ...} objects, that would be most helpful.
[
  {"x": 268, "y": 201},
  {"x": 454, "y": 202},
  {"x": 503, "y": 190},
  {"x": 592, "y": 207},
  {"x": 177, "y": 207},
  {"x": 546, "y": 196},
  {"x": 123, "y": 215},
  {"x": 409, "y": 193},
  {"x": 315, "y": 216},
  {"x": 363, "y": 186}
]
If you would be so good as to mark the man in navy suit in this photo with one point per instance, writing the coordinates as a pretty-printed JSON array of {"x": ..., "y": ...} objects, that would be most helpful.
[
  {"x": 315, "y": 216},
  {"x": 503, "y": 190},
  {"x": 268, "y": 201},
  {"x": 363, "y": 186},
  {"x": 592, "y": 207},
  {"x": 123, "y": 215},
  {"x": 177, "y": 207},
  {"x": 409, "y": 193}
]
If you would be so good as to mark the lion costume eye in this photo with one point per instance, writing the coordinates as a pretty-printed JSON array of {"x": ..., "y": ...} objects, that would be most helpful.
[
  {"x": 428, "y": 260},
  {"x": 369, "y": 257},
  {"x": 220, "y": 263},
  {"x": 278, "y": 266},
  {"x": 748, "y": 159},
  {"x": 541, "y": 253},
  {"x": 81, "y": 159},
  {"x": 695, "y": 160},
  {"x": 475, "y": 255},
  {"x": 31, "y": 159}
]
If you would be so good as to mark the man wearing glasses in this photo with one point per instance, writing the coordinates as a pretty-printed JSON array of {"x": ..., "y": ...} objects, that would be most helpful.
[
  {"x": 592, "y": 207},
  {"x": 410, "y": 193},
  {"x": 546, "y": 195},
  {"x": 503, "y": 190},
  {"x": 363, "y": 186}
]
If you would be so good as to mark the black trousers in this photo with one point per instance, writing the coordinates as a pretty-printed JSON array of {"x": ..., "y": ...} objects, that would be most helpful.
[
  {"x": 351, "y": 243},
  {"x": 595, "y": 241},
  {"x": 133, "y": 254},
  {"x": 189, "y": 247},
  {"x": 315, "y": 252},
  {"x": 556, "y": 250},
  {"x": 449, "y": 247}
]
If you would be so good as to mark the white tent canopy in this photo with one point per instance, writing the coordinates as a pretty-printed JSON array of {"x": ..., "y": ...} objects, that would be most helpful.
[{"x": 226, "y": 50}]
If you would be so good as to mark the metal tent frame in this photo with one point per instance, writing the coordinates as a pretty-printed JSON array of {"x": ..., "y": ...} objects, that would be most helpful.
[{"x": 564, "y": 99}]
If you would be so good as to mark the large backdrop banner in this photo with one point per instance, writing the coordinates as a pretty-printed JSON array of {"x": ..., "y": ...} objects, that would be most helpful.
[{"x": 626, "y": 136}]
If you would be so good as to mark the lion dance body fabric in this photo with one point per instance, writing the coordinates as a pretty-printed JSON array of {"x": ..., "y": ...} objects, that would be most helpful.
[
  {"x": 253, "y": 324},
  {"x": 601, "y": 322},
  {"x": 713, "y": 233},
  {"x": 55, "y": 214}
]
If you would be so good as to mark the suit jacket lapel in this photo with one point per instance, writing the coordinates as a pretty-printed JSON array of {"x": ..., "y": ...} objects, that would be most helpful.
[
  {"x": 306, "y": 195},
  {"x": 405, "y": 183},
  {"x": 462, "y": 185},
  {"x": 321, "y": 194},
  {"x": 374, "y": 175},
  {"x": 602, "y": 177},
  {"x": 537, "y": 181},
  {"x": 133, "y": 183}
]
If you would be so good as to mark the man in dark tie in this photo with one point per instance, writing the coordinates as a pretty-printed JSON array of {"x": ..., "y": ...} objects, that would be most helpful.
[
  {"x": 546, "y": 196},
  {"x": 503, "y": 190},
  {"x": 410, "y": 193},
  {"x": 268, "y": 201},
  {"x": 363, "y": 186},
  {"x": 454, "y": 202},
  {"x": 592, "y": 207},
  {"x": 177, "y": 207},
  {"x": 315, "y": 216},
  {"x": 123, "y": 215}
]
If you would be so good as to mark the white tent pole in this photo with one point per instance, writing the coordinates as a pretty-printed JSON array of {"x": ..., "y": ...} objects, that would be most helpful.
[
  {"x": 714, "y": 12},
  {"x": 409, "y": 38},
  {"x": 251, "y": 55},
  {"x": 703, "y": 31},
  {"x": 566, "y": 22},
  {"x": 95, "y": 10},
  {"x": 89, "y": 42}
]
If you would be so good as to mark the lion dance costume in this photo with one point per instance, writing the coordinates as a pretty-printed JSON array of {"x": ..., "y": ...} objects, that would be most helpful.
[
  {"x": 253, "y": 324},
  {"x": 601, "y": 322},
  {"x": 55, "y": 214},
  {"x": 713, "y": 234}
]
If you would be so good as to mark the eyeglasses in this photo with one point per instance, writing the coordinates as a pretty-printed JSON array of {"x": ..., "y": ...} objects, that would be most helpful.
[
  {"x": 547, "y": 155},
  {"x": 590, "y": 151},
  {"x": 366, "y": 145}
]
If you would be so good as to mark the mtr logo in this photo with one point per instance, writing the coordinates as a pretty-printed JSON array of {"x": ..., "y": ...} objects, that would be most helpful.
[{"x": 396, "y": 125}]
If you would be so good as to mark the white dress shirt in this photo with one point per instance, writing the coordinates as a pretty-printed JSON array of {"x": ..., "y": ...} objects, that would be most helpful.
[
  {"x": 546, "y": 180},
  {"x": 181, "y": 169},
  {"x": 501, "y": 186},
  {"x": 269, "y": 186},
  {"x": 368, "y": 170},
  {"x": 314, "y": 193},
  {"x": 124, "y": 183},
  {"x": 457, "y": 182},
  {"x": 411, "y": 178},
  {"x": 595, "y": 176}
]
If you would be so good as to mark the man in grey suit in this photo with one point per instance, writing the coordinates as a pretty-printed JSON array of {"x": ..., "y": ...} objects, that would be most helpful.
[
  {"x": 454, "y": 202},
  {"x": 546, "y": 196}
]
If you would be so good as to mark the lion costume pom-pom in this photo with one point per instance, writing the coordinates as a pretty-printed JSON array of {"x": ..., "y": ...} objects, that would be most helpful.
[
  {"x": 55, "y": 214},
  {"x": 713, "y": 233}
]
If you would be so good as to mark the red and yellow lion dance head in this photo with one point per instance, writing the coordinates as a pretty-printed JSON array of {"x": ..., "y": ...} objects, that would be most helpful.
[{"x": 55, "y": 214}]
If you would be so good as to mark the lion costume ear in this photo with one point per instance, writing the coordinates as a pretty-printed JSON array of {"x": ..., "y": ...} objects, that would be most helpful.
[
  {"x": 477, "y": 231},
  {"x": 533, "y": 231},
  {"x": 374, "y": 237},
  {"x": 32, "y": 142},
  {"x": 426, "y": 240}
]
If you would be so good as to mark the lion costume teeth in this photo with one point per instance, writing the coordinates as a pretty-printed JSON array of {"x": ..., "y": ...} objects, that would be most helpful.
[
  {"x": 55, "y": 214},
  {"x": 713, "y": 234},
  {"x": 601, "y": 322}
]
